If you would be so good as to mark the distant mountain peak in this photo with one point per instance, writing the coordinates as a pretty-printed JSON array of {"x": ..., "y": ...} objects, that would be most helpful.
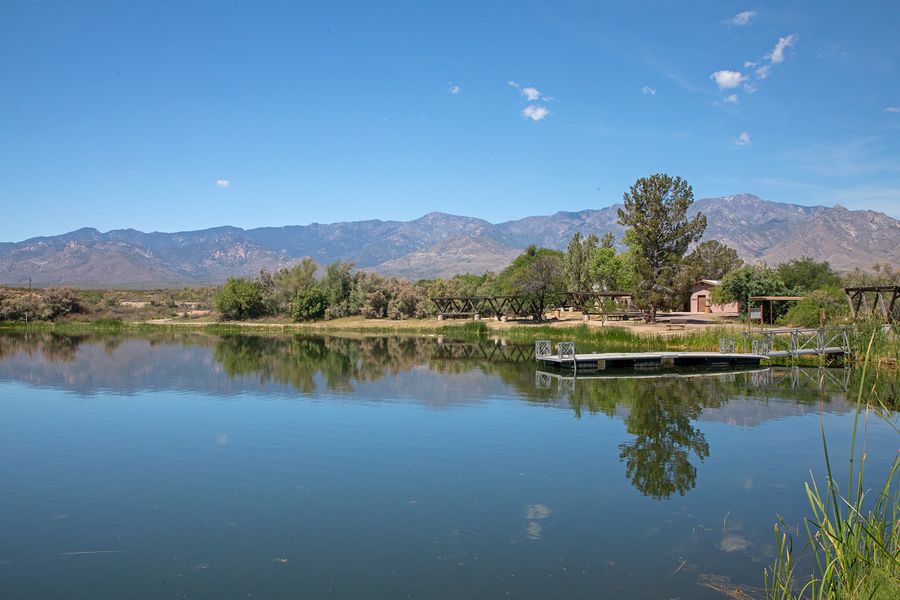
[{"x": 437, "y": 243}]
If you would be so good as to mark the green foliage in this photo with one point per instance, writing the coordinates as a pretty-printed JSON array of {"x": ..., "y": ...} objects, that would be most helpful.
[
  {"x": 659, "y": 232},
  {"x": 610, "y": 271},
  {"x": 751, "y": 280},
  {"x": 278, "y": 289},
  {"x": 337, "y": 283},
  {"x": 806, "y": 313},
  {"x": 239, "y": 298},
  {"x": 854, "y": 532},
  {"x": 805, "y": 274},
  {"x": 711, "y": 260},
  {"x": 578, "y": 258},
  {"x": 309, "y": 303},
  {"x": 538, "y": 273}
]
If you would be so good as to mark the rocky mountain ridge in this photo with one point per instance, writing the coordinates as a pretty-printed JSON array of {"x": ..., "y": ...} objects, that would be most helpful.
[{"x": 436, "y": 244}]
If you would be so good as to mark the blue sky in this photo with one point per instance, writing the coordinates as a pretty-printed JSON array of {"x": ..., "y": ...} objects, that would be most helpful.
[{"x": 179, "y": 115}]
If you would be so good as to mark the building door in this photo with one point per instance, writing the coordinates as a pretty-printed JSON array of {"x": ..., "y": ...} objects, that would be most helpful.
[{"x": 702, "y": 305}]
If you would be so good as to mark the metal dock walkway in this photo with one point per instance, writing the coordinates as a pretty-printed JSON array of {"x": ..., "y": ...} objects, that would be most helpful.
[{"x": 566, "y": 358}]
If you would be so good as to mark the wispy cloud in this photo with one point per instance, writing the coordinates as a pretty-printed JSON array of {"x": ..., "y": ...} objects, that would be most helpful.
[
  {"x": 726, "y": 79},
  {"x": 535, "y": 112},
  {"x": 222, "y": 183},
  {"x": 731, "y": 98},
  {"x": 757, "y": 69},
  {"x": 455, "y": 89},
  {"x": 776, "y": 56},
  {"x": 742, "y": 18},
  {"x": 743, "y": 139},
  {"x": 892, "y": 109},
  {"x": 648, "y": 91}
]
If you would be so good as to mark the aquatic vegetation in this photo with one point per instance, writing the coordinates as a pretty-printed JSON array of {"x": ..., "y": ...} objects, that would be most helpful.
[{"x": 853, "y": 534}]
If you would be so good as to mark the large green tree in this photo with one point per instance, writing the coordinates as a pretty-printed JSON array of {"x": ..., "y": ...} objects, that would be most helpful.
[
  {"x": 806, "y": 274},
  {"x": 658, "y": 234},
  {"x": 752, "y": 280},
  {"x": 611, "y": 271},
  {"x": 578, "y": 257},
  {"x": 239, "y": 298},
  {"x": 709, "y": 260}
]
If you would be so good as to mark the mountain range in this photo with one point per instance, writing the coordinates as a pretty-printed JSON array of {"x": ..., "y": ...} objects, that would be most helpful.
[{"x": 436, "y": 244}]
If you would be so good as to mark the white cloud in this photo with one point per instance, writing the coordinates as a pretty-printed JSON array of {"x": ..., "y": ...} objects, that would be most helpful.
[
  {"x": 535, "y": 112},
  {"x": 749, "y": 64},
  {"x": 733, "y": 98},
  {"x": 647, "y": 90},
  {"x": 776, "y": 56},
  {"x": 454, "y": 89},
  {"x": 763, "y": 71},
  {"x": 893, "y": 109},
  {"x": 222, "y": 183},
  {"x": 743, "y": 139},
  {"x": 531, "y": 93},
  {"x": 726, "y": 79},
  {"x": 742, "y": 18}
]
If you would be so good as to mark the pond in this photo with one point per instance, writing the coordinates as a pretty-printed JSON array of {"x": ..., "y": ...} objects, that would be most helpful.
[{"x": 201, "y": 466}]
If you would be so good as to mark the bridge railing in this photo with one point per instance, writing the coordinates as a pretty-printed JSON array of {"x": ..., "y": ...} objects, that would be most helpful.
[{"x": 799, "y": 341}]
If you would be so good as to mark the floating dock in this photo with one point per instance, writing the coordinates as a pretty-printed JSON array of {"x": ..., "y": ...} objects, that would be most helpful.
[{"x": 648, "y": 360}]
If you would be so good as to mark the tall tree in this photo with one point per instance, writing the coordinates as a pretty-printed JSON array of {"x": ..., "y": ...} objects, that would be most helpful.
[
  {"x": 659, "y": 232},
  {"x": 709, "y": 260},
  {"x": 578, "y": 257},
  {"x": 712, "y": 260},
  {"x": 806, "y": 274}
]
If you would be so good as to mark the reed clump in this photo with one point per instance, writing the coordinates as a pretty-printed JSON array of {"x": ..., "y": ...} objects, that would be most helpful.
[{"x": 852, "y": 534}]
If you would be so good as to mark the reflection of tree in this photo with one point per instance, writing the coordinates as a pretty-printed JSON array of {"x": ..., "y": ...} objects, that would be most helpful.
[
  {"x": 297, "y": 360},
  {"x": 658, "y": 459},
  {"x": 660, "y": 414}
]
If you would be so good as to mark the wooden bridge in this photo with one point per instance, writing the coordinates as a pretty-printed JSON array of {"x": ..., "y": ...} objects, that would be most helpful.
[
  {"x": 524, "y": 305},
  {"x": 875, "y": 302}
]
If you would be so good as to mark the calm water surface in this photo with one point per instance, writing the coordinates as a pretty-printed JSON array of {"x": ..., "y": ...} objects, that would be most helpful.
[{"x": 193, "y": 466}]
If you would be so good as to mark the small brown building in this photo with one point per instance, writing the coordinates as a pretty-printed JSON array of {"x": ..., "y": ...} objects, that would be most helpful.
[{"x": 701, "y": 299}]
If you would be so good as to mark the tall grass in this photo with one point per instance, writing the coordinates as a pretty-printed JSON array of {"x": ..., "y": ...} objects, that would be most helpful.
[{"x": 853, "y": 535}]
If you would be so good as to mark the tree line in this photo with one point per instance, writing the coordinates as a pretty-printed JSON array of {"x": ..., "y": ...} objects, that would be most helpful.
[{"x": 651, "y": 262}]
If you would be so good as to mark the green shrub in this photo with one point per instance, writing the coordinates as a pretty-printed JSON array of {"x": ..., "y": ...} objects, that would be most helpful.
[
  {"x": 239, "y": 299},
  {"x": 309, "y": 303},
  {"x": 805, "y": 313}
]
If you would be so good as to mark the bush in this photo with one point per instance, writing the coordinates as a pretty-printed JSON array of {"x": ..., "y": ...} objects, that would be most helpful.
[
  {"x": 239, "y": 299},
  {"x": 58, "y": 302},
  {"x": 309, "y": 303},
  {"x": 375, "y": 306},
  {"x": 805, "y": 313}
]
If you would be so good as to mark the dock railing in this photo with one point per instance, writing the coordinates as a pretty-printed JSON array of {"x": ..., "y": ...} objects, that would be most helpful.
[{"x": 798, "y": 342}]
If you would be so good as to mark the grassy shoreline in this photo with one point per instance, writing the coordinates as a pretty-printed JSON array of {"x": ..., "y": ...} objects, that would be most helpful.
[{"x": 594, "y": 337}]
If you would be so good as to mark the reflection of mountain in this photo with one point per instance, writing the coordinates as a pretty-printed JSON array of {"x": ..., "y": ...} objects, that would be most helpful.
[
  {"x": 374, "y": 368},
  {"x": 662, "y": 415}
]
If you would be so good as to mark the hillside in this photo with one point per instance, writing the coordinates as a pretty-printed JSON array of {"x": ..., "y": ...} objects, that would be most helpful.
[{"x": 436, "y": 244}]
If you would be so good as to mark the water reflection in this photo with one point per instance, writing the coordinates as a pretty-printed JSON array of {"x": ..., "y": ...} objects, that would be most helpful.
[{"x": 661, "y": 414}]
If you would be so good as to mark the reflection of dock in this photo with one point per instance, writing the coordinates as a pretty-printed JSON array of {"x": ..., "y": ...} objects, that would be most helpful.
[{"x": 566, "y": 358}]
